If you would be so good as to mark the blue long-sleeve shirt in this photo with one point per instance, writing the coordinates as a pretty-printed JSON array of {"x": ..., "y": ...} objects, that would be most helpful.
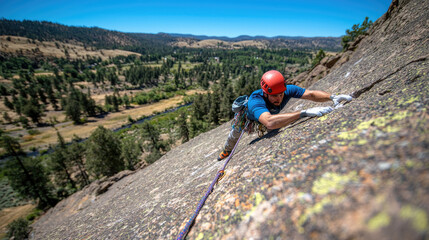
[{"x": 257, "y": 104}]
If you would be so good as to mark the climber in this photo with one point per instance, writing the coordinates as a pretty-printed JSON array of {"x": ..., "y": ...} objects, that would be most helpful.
[{"x": 264, "y": 106}]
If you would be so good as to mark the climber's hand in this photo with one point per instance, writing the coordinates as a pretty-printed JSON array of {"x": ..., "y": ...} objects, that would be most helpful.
[
  {"x": 338, "y": 98},
  {"x": 317, "y": 111}
]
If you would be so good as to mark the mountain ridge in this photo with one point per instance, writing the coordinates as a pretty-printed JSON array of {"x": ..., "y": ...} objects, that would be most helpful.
[
  {"x": 142, "y": 42},
  {"x": 245, "y": 37}
]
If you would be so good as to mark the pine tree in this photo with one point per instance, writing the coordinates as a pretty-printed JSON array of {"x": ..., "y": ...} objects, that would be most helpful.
[
  {"x": 153, "y": 156},
  {"x": 152, "y": 134},
  {"x": 76, "y": 155},
  {"x": 103, "y": 153},
  {"x": 8, "y": 104},
  {"x": 73, "y": 106},
  {"x": 130, "y": 152},
  {"x": 17, "y": 104},
  {"x": 214, "y": 112},
  {"x": 53, "y": 99},
  {"x": 88, "y": 104},
  {"x": 183, "y": 127},
  {"x": 32, "y": 110},
  {"x": 356, "y": 30},
  {"x": 319, "y": 56},
  {"x": 126, "y": 101},
  {"x": 6, "y": 117},
  {"x": 226, "y": 102},
  {"x": 26, "y": 176},
  {"x": 59, "y": 163}
]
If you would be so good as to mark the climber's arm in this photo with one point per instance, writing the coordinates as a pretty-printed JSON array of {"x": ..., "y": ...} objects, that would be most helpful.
[
  {"x": 278, "y": 120},
  {"x": 316, "y": 96},
  {"x": 321, "y": 96}
]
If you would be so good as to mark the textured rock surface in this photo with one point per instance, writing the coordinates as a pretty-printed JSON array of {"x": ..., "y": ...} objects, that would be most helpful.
[{"x": 360, "y": 172}]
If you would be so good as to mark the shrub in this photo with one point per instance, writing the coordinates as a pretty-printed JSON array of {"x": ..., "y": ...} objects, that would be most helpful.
[
  {"x": 320, "y": 55},
  {"x": 18, "y": 229},
  {"x": 130, "y": 119},
  {"x": 33, "y": 131},
  {"x": 34, "y": 214}
]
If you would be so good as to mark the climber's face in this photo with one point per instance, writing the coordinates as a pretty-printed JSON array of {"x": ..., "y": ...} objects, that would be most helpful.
[{"x": 276, "y": 99}]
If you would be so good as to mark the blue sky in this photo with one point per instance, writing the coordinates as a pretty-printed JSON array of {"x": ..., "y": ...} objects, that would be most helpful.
[{"x": 270, "y": 18}]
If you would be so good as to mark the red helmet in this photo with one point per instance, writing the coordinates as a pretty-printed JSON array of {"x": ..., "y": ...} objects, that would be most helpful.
[{"x": 273, "y": 82}]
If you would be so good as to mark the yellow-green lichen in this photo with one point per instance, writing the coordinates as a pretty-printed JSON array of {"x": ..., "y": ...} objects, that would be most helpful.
[
  {"x": 382, "y": 123},
  {"x": 200, "y": 236},
  {"x": 378, "y": 221},
  {"x": 417, "y": 217},
  {"x": 348, "y": 135},
  {"x": 323, "y": 118},
  {"x": 258, "y": 198},
  {"x": 317, "y": 208},
  {"x": 392, "y": 129},
  {"x": 362, "y": 142},
  {"x": 411, "y": 100},
  {"x": 333, "y": 182},
  {"x": 401, "y": 115},
  {"x": 409, "y": 163}
]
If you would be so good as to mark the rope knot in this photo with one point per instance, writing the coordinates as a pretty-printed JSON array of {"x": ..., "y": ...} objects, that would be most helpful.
[{"x": 221, "y": 175}]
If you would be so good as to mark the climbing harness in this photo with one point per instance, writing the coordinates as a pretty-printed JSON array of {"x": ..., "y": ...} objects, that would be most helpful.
[
  {"x": 261, "y": 130},
  {"x": 240, "y": 119},
  {"x": 220, "y": 174}
]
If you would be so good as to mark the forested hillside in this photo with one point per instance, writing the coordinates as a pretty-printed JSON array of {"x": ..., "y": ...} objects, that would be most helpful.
[
  {"x": 89, "y": 36},
  {"x": 160, "y": 43}
]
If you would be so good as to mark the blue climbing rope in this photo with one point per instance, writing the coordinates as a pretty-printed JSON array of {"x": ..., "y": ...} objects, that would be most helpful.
[{"x": 220, "y": 174}]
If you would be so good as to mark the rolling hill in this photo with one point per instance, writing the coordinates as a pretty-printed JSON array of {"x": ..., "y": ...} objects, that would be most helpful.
[{"x": 144, "y": 43}]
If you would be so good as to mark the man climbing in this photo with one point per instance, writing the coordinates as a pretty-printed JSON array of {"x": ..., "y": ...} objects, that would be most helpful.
[{"x": 264, "y": 106}]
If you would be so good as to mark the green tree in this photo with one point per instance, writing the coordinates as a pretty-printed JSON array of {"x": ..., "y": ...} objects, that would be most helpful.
[
  {"x": 76, "y": 154},
  {"x": 6, "y": 117},
  {"x": 26, "y": 176},
  {"x": 155, "y": 144},
  {"x": 226, "y": 102},
  {"x": 126, "y": 101},
  {"x": 319, "y": 56},
  {"x": 113, "y": 78},
  {"x": 59, "y": 163},
  {"x": 8, "y": 104},
  {"x": 153, "y": 156},
  {"x": 214, "y": 112},
  {"x": 103, "y": 153},
  {"x": 24, "y": 121},
  {"x": 356, "y": 30},
  {"x": 183, "y": 127},
  {"x": 130, "y": 152},
  {"x": 73, "y": 106},
  {"x": 151, "y": 133},
  {"x": 53, "y": 99},
  {"x": 32, "y": 110},
  {"x": 17, "y": 104}
]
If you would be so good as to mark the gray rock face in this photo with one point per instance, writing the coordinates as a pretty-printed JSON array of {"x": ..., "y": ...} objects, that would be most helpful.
[{"x": 360, "y": 172}]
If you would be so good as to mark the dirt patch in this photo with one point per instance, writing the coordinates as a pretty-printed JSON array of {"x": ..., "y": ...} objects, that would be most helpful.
[{"x": 8, "y": 215}]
